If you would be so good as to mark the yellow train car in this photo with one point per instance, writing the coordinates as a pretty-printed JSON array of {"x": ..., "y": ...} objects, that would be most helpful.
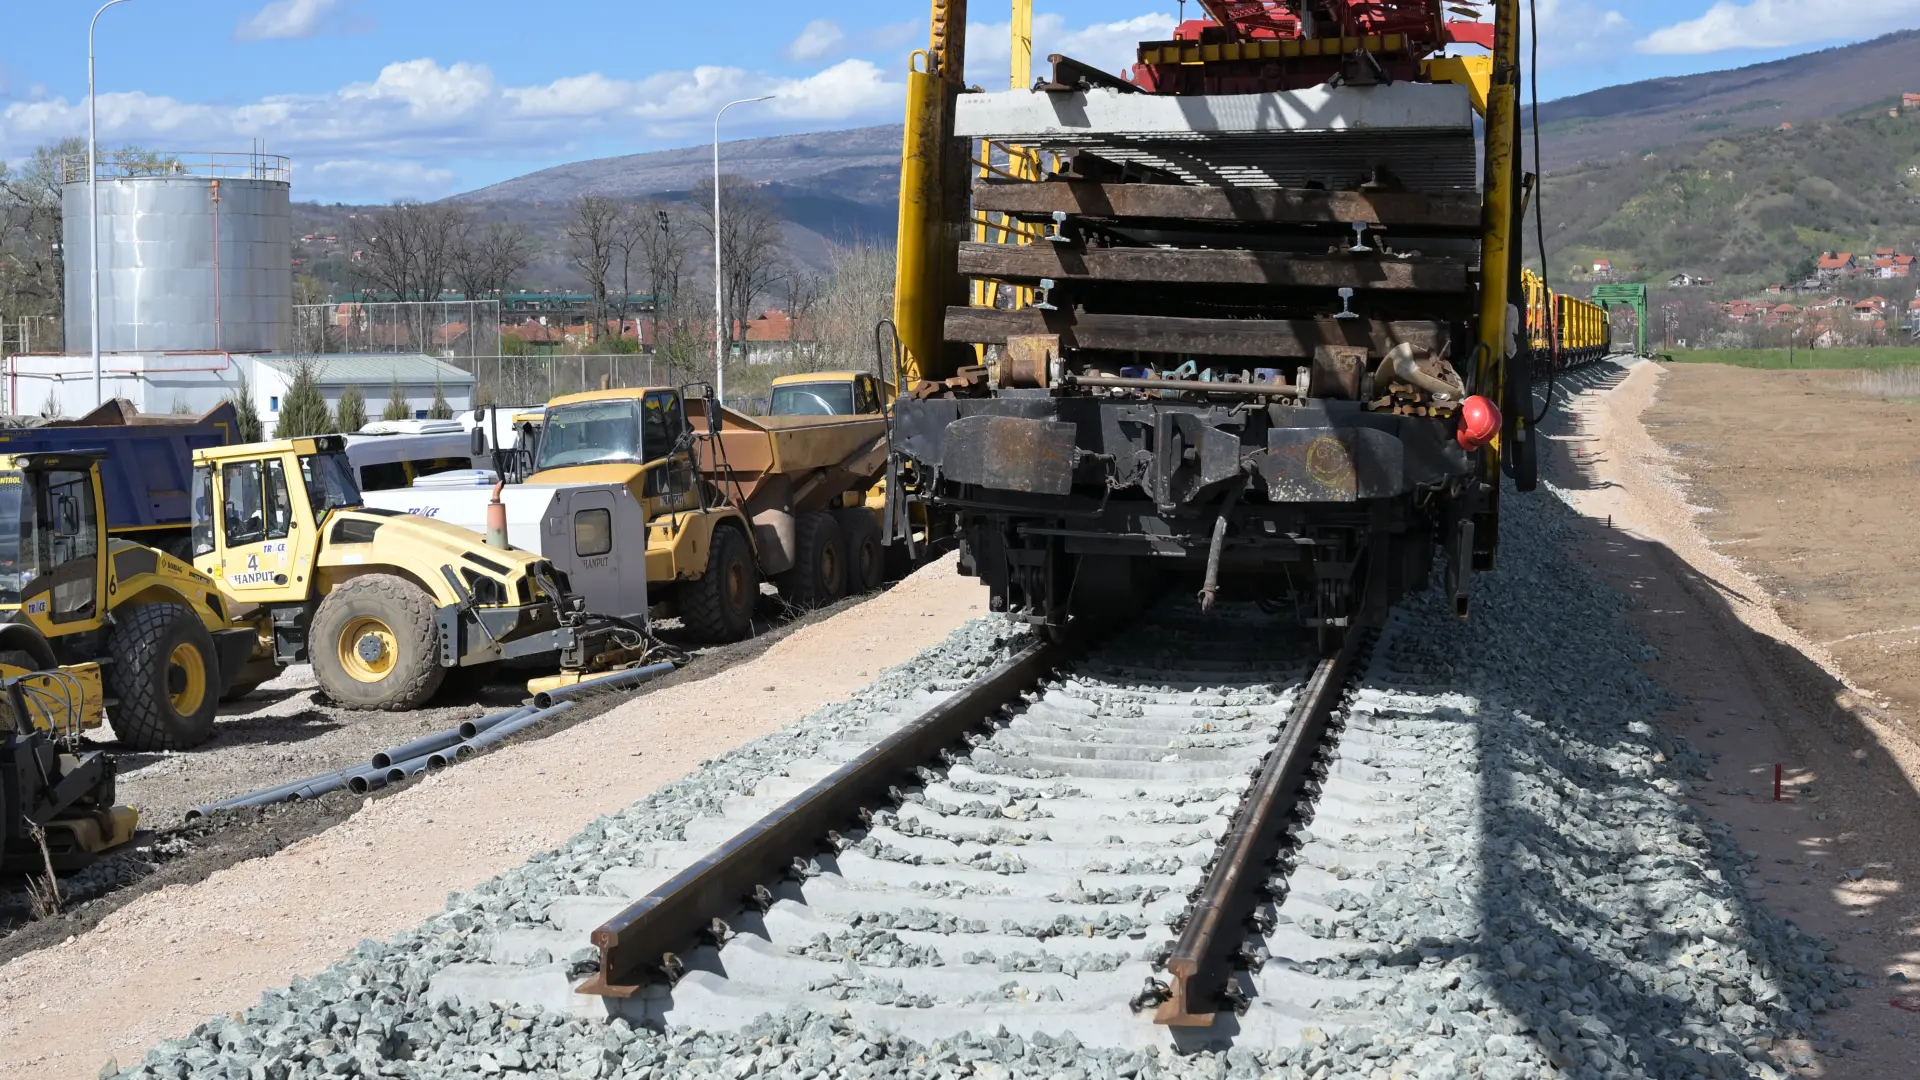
[{"x": 1563, "y": 331}]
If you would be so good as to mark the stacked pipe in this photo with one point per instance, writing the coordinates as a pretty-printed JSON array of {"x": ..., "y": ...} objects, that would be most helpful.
[
  {"x": 392, "y": 765},
  {"x": 397, "y": 763}
]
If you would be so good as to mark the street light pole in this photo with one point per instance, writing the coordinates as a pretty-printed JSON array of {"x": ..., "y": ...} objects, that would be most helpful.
[
  {"x": 719, "y": 307},
  {"x": 93, "y": 213}
]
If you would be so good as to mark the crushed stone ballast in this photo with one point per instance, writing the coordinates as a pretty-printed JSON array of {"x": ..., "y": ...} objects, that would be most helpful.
[{"x": 1036, "y": 880}]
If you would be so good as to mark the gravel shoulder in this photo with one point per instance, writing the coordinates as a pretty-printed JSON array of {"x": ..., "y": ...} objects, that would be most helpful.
[
  {"x": 165, "y": 961},
  {"x": 1838, "y": 854}
]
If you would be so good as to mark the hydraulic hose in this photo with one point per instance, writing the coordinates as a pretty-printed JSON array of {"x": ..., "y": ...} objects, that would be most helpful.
[{"x": 1403, "y": 361}]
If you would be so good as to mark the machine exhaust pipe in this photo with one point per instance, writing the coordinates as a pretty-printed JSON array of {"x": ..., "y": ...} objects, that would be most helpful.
[{"x": 497, "y": 519}]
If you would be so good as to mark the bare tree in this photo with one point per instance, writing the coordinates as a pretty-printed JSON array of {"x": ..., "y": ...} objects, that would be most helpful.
[
  {"x": 752, "y": 243},
  {"x": 682, "y": 311},
  {"x": 592, "y": 245},
  {"x": 408, "y": 250},
  {"x": 409, "y": 247},
  {"x": 487, "y": 257},
  {"x": 857, "y": 294},
  {"x": 32, "y": 269},
  {"x": 804, "y": 287}
]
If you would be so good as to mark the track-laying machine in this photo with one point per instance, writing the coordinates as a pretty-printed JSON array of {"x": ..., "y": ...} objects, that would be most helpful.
[{"x": 1241, "y": 318}]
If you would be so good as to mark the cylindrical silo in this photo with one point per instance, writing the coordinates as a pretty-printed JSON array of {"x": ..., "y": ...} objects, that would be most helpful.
[{"x": 195, "y": 254}]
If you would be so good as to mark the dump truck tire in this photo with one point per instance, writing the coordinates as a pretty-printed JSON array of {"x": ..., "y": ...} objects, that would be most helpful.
[
  {"x": 719, "y": 606},
  {"x": 866, "y": 556},
  {"x": 165, "y": 677},
  {"x": 819, "y": 574},
  {"x": 374, "y": 644}
]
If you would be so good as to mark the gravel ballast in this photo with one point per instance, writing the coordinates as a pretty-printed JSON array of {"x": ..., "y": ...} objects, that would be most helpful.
[{"x": 1539, "y": 900}]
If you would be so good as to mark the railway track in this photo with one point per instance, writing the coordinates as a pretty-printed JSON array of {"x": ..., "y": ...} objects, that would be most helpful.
[{"x": 1082, "y": 839}]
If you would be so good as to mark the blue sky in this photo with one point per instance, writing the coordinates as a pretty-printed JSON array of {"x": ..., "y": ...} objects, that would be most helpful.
[{"x": 378, "y": 100}]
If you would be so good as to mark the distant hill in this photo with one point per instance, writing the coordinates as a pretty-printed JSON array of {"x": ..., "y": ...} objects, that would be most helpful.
[
  {"x": 1636, "y": 117},
  {"x": 843, "y": 185},
  {"x": 1746, "y": 209},
  {"x": 861, "y": 165}
]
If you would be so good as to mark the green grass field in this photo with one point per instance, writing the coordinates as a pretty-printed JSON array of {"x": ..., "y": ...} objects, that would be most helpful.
[{"x": 1888, "y": 356}]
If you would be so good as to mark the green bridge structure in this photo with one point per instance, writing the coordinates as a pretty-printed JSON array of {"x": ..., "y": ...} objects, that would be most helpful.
[{"x": 1632, "y": 296}]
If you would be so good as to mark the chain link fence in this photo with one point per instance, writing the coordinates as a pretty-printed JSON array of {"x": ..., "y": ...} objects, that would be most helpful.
[
  {"x": 32, "y": 334},
  {"x": 533, "y": 380},
  {"x": 448, "y": 329}
]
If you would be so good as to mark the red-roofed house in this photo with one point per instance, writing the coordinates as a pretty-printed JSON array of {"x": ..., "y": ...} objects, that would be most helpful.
[{"x": 1831, "y": 264}]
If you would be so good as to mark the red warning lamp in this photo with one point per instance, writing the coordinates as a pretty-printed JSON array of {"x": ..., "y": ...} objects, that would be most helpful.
[{"x": 1479, "y": 422}]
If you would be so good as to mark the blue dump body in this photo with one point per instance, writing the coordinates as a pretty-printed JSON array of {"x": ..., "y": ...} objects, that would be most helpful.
[{"x": 148, "y": 469}]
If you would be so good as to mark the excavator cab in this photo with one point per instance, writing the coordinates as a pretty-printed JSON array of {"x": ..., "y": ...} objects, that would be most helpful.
[{"x": 53, "y": 581}]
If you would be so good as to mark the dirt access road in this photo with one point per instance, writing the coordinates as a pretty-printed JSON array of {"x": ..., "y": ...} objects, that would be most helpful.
[
  {"x": 1810, "y": 487},
  {"x": 1759, "y": 521},
  {"x": 170, "y": 959}
]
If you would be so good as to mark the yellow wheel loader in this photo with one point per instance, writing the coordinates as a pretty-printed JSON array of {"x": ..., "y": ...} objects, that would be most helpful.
[{"x": 383, "y": 604}]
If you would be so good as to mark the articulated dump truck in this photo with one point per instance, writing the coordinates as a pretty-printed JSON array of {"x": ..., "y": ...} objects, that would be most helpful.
[
  {"x": 729, "y": 499},
  {"x": 1237, "y": 319}
]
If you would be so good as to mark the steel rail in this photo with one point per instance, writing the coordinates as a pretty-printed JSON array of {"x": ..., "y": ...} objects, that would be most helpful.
[
  {"x": 1201, "y": 965},
  {"x": 642, "y": 943}
]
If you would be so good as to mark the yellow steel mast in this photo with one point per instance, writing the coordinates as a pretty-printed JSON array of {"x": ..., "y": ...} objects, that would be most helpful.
[
  {"x": 1499, "y": 216},
  {"x": 934, "y": 79}
]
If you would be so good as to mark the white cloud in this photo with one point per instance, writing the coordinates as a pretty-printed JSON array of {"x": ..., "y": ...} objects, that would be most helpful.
[
  {"x": 817, "y": 39},
  {"x": 1777, "y": 24},
  {"x": 395, "y": 180},
  {"x": 848, "y": 88},
  {"x": 395, "y": 133},
  {"x": 287, "y": 19},
  {"x": 427, "y": 90},
  {"x": 1575, "y": 32},
  {"x": 1110, "y": 46}
]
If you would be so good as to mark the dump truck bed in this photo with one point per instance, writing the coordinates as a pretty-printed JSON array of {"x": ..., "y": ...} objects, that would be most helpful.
[
  {"x": 753, "y": 447},
  {"x": 148, "y": 464}
]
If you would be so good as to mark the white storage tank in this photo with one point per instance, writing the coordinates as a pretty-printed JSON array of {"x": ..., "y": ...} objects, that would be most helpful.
[{"x": 196, "y": 253}]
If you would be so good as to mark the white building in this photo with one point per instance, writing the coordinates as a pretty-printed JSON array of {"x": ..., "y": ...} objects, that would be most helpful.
[{"x": 196, "y": 382}]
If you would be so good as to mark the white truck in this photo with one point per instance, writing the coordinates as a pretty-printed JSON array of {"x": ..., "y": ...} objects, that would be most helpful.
[{"x": 595, "y": 534}]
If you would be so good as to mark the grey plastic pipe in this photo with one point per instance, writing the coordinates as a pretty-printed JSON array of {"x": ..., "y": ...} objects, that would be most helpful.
[
  {"x": 500, "y": 731},
  {"x": 426, "y": 744},
  {"x": 303, "y": 788},
  {"x": 440, "y": 740},
  {"x": 633, "y": 676},
  {"x": 277, "y": 793},
  {"x": 364, "y": 778},
  {"x": 474, "y": 727}
]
